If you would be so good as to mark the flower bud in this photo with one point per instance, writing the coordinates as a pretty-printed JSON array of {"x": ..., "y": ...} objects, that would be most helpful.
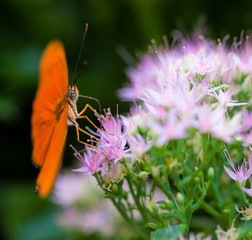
[
  {"x": 162, "y": 205},
  {"x": 150, "y": 205},
  {"x": 114, "y": 189},
  {"x": 143, "y": 175},
  {"x": 210, "y": 173},
  {"x": 155, "y": 172},
  {"x": 197, "y": 180},
  {"x": 247, "y": 84},
  {"x": 180, "y": 198},
  {"x": 153, "y": 206},
  {"x": 166, "y": 204},
  {"x": 147, "y": 163},
  {"x": 226, "y": 211},
  {"x": 113, "y": 173},
  {"x": 169, "y": 204}
]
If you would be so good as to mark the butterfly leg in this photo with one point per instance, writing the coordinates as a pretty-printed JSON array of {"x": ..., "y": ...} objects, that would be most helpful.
[
  {"x": 78, "y": 139},
  {"x": 85, "y": 108},
  {"x": 86, "y": 117},
  {"x": 89, "y": 134}
]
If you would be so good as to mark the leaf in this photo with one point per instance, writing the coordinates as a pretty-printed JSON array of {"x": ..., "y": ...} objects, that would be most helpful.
[
  {"x": 170, "y": 232},
  {"x": 245, "y": 229}
]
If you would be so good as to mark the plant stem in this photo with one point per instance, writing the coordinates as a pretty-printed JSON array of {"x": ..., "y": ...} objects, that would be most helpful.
[
  {"x": 164, "y": 187},
  {"x": 120, "y": 207},
  {"x": 217, "y": 194},
  {"x": 245, "y": 198},
  {"x": 209, "y": 209},
  {"x": 137, "y": 202},
  {"x": 140, "y": 232}
]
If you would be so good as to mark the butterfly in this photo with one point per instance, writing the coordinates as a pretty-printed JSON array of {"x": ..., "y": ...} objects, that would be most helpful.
[{"x": 54, "y": 109}]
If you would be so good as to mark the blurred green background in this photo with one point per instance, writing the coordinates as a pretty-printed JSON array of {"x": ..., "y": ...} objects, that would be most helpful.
[{"x": 27, "y": 26}]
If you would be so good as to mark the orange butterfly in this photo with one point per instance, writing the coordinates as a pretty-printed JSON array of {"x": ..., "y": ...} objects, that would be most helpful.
[{"x": 54, "y": 109}]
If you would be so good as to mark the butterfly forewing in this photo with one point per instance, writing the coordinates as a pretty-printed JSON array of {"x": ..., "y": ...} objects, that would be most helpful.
[
  {"x": 49, "y": 117},
  {"x": 53, "y": 81}
]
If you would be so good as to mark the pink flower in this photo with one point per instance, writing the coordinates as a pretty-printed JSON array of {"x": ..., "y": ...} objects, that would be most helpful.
[
  {"x": 214, "y": 121},
  {"x": 246, "y": 127},
  {"x": 174, "y": 88},
  {"x": 245, "y": 56},
  {"x": 206, "y": 119},
  {"x": 92, "y": 160},
  {"x": 113, "y": 139},
  {"x": 144, "y": 75},
  {"x": 239, "y": 174},
  {"x": 204, "y": 61},
  {"x": 84, "y": 208},
  {"x": 95, "y": 219},
  {"x": 138, "y": 145},
  {"x": 171, "y": 128},
  {"x": 136, "y": 119},
  {"x": 69, "y": 189},
  {"x": 247, "y": 138},
  {"x": 246, "y": 120},
  {"x": 224, "y": 99}
]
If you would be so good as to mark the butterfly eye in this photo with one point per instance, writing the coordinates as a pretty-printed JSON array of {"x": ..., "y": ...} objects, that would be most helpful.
[{"x": 72, "y": 94}]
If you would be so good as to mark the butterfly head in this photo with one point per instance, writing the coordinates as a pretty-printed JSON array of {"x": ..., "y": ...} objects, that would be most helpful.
[{"x": 72, "y": 93}]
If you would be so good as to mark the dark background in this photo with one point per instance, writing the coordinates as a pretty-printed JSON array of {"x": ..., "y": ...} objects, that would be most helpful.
[{"x": 25, "y": 29}]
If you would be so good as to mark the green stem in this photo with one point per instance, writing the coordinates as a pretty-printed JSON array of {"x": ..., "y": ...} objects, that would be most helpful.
[
  {"x": 167, "y": 191},
  {"x": 121, "y": 209},
  {"x": 153, "y": 185},
  {"x": 245, "y": 198},
  {"x": 136, "y": 198},
  {"x": 140, "y": 232},
  {"x": 217, "y": 194},
  {"x": 209, "y": 209},
  {"x": 164, "y": 187},
  {"x": 137, "y": 201}
]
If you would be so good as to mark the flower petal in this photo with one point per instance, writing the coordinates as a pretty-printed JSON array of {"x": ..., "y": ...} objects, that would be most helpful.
[
  {"x": 230, "y": 173},
  {"x": 82, "y": 169},
  {"x": 247, "y": 191}
]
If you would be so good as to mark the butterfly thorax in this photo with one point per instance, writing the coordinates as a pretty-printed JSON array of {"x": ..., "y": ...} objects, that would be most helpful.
[{"x": 72, "y": 97}]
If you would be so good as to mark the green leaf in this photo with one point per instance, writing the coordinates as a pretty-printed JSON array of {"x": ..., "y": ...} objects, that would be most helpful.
[
  {"x": 246, "y": 229},
  {"x": 170, "y": 232}
]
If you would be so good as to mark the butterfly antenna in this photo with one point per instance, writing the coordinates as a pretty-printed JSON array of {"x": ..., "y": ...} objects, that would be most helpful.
[
  {"x": 78, "y": 60},
  {"x": 95, "y": 99}
]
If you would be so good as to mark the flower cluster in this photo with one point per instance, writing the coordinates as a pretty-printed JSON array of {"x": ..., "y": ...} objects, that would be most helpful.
[
  {"x": 193, "y": 85},
  {"x": 191, "y": 101},
  {"x": 110, "y": 148},
  {"x": 189, "y": 86}
]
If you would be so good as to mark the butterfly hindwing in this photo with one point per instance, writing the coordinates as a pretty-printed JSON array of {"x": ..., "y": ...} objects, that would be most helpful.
[{"x": 52, "y": 162}]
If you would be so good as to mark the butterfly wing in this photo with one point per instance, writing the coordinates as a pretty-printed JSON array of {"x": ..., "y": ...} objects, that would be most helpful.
[
  {"x": 49, "y": 129},
  {"x": 52, "y": 163},
  {"x": 53, "y": 81}
]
